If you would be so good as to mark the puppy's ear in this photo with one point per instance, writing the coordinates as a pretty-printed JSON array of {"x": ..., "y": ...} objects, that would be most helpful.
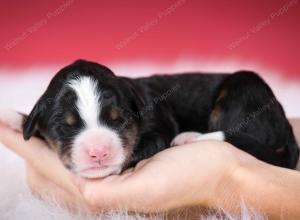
[
  {"x": 136, "y": 97},
  {"x": 31, "y": 121}
]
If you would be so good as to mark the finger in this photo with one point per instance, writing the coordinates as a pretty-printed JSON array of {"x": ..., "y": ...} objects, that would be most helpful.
[
  {"x": 141, "y": 164},
  {"x": 130, "y": 191},
  {"x": 45, "y": 189},
  {"x": 39, "y": 156},
  {"x": 14, "y": 141},
  {"x": 107, "y": 193}
]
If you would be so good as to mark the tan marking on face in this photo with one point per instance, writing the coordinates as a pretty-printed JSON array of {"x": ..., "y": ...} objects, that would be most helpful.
[
  {"x": 70, "y": 118},
  {"x": 53, "y": 145},
  {"x": 131, "y": 134},
  {"x": 56, "y": 146},
  {"x": 114, "y": 113},
  {"x": 66, "y": 159}
]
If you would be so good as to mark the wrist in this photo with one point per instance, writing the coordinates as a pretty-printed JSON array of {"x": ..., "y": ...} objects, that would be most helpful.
[
  {"x": 270, "y": 190},
  {"x": 240, "y": 183}
]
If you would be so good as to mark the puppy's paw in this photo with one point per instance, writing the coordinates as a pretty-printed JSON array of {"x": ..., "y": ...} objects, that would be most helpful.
[
  {"x": 185, "y": 138},
  {"x": 12, "y": 119},
  {"x": 217, "y": 135}
]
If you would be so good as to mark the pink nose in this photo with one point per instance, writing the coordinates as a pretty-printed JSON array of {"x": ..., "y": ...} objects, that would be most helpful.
[{"x": 99, "y": 154}]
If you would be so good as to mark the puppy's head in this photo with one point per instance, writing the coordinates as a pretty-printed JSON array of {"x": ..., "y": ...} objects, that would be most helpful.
[{"x": 88, "y": 116}]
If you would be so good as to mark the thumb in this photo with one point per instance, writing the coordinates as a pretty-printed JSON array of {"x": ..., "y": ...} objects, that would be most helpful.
[
  {"x": 127, "y": 191},
  {"x": 15, "y": 142}
]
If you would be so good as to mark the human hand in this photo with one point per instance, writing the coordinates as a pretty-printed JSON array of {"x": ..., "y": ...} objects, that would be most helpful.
[
  {"x": 179, "y": 176},
  {"x": 182, "y": 176},
  {"x": 45, "y": 172}
]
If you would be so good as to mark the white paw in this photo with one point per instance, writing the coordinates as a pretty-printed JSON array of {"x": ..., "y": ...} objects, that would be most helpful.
[
  {"x": 217, "y": 135},
  {"x": 11, "y": 118},
  {"x": 185, "y": 138}
]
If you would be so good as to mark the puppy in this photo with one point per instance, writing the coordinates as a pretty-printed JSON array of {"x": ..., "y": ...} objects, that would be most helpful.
[{"x": 100, "y": 124}]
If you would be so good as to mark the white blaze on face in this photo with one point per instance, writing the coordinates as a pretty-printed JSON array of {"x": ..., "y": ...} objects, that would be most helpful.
[
  {"x": 97, "y": 150},
  {"x": 88, "y": 100}
]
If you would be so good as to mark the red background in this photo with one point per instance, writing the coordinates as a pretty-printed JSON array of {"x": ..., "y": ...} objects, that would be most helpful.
[{"x": 194, "y": 29}]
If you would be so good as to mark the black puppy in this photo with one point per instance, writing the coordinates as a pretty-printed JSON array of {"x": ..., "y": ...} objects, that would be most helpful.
[{"x": 101, "y": 124}]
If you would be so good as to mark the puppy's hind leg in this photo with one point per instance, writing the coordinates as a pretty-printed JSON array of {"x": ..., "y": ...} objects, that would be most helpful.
[
  {"x": 252, "y": 120},
  {"x": 185, "y": 138},
  {"x": 192, "y": 137}
]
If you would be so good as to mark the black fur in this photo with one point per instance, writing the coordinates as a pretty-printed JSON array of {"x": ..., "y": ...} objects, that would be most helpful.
[{"x": 240, "y": 104}]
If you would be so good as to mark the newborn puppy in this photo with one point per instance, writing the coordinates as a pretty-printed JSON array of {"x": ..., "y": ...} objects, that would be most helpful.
[
  {"x": 87, "y": 115},
  {"x": 100, "y": 124},
  {"x": 93, "y": 120}
]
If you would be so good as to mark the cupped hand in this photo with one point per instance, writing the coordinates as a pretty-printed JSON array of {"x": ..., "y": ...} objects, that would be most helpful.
[{"x": 180, "y": 176}]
